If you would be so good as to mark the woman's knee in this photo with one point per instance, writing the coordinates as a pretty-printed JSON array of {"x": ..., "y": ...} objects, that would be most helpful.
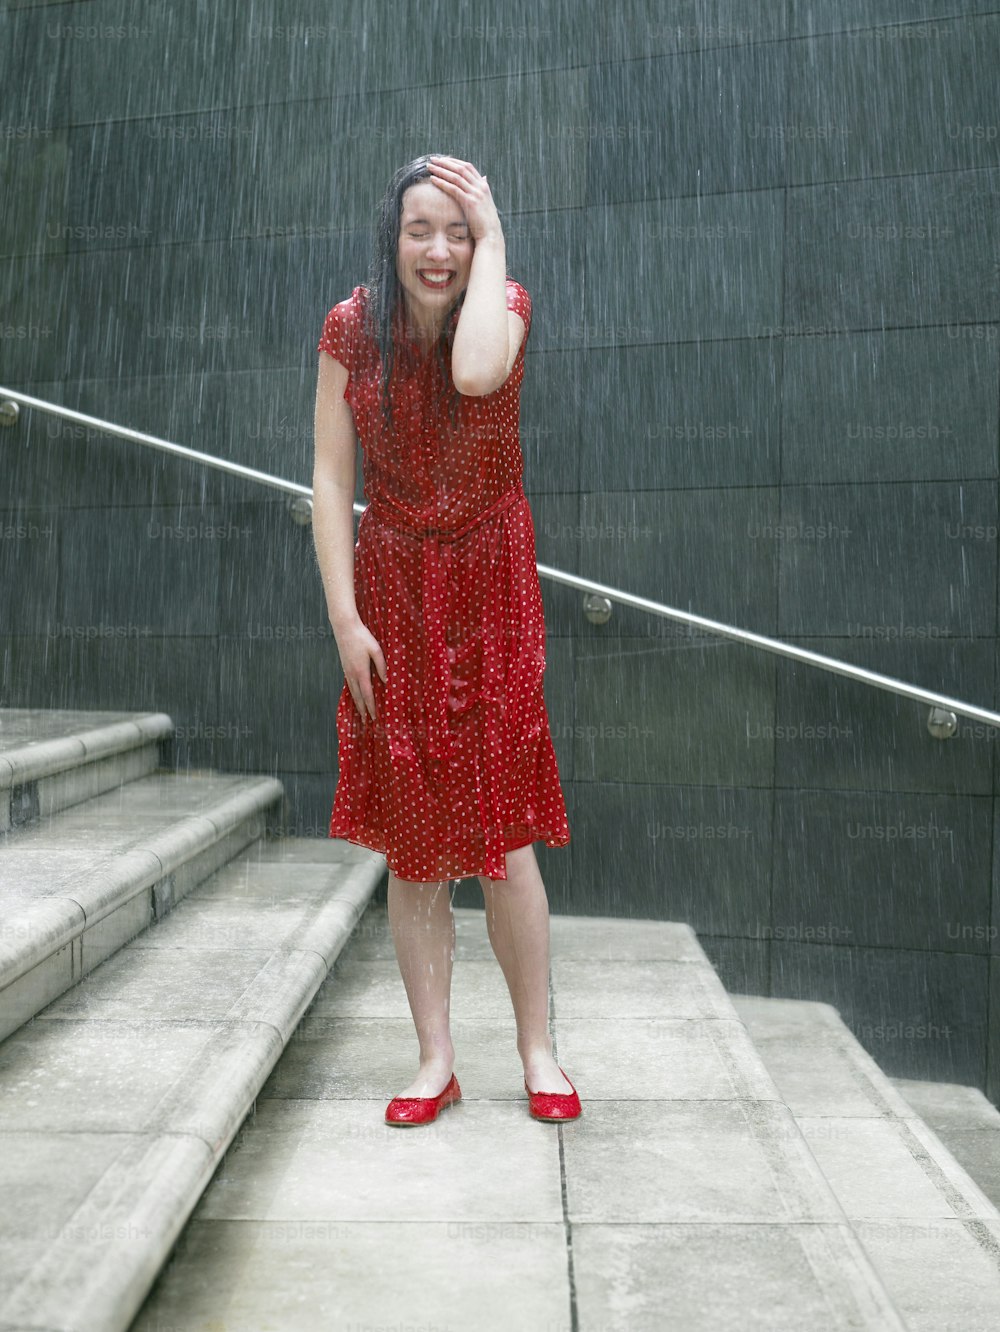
[
  {"x": 415, "y": 883},
  {"x": 418, "y": 897},
  {"x": 520, "y": 864}
]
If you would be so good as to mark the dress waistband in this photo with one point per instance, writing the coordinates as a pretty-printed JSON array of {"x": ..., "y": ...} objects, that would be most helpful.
[
  {"x": 434, "y": 653},
  {"x": 386, "y": 511}
]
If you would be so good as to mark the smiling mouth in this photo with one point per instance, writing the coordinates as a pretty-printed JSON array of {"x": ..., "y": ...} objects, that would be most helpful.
[{"x": 437, "y": 278}]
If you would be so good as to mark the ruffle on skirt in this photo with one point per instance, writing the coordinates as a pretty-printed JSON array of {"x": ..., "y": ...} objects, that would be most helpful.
[{"x": 458, "y": 767}]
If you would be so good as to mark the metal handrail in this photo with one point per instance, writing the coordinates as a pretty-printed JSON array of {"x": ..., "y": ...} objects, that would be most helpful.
[
  {"x": 140, "y": 437},
  {"x": 831, "y": 664}
]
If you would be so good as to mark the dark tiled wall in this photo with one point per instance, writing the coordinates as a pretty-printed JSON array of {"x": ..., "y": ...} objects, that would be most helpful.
[{"x": 762, "y": 238}]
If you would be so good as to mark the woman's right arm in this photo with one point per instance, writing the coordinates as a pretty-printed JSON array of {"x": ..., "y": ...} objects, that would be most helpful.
[{"x": 334, "y": 481}]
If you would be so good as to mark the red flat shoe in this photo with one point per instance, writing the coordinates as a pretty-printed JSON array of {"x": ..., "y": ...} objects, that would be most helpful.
[
  {"x": 409, "y": 1110},
  {"x": 553, "y": 1105}
]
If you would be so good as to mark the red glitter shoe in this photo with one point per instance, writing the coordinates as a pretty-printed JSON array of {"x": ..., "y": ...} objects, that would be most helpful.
[
  {"x": 553, "y": 1106},
  {"x": 408, "y": 1110}
]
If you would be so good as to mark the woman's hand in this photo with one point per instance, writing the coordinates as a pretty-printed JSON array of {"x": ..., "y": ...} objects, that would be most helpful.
[
  {"x": 471, "y": 192},
  {"x": 358, "y": 649}
]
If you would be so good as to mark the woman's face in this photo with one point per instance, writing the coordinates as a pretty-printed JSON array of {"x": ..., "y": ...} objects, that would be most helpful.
[{"x": 434, "y": 255}]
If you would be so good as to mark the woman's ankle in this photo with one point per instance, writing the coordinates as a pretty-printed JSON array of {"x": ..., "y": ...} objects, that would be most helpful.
[
  {"x": 535, "y": 1052},
  {"x": 438, "y": 1058}
]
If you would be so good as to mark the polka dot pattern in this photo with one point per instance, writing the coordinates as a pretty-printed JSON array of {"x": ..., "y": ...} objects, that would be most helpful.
[{"x": 457, "y": 768}]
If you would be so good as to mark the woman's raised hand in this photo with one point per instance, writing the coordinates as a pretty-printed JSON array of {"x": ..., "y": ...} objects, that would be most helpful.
[
  {"x": 471, "y": 192},
  {"x": 358, "y": 649}
]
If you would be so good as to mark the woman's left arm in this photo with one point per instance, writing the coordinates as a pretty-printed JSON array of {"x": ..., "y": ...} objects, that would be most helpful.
[{"x": 488, "y": 335}]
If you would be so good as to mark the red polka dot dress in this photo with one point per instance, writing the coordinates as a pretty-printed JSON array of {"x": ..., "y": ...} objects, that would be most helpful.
[{"x": 457, "y": 767}]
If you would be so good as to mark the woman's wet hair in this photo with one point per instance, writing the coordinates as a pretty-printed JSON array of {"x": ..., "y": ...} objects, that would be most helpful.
[{"x": 385, "y": 304}]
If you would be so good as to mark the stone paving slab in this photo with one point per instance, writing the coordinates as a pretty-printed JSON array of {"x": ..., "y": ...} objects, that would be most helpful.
[
  {"x": 895, "y": 1168},
  {"x": 124, "y": 812},
  {"x": 582, "y": 938},
  {"x": 939, "y": 1279},
  {"x": 665, "y": 1059},
  {"x": 694, "y": 1161},
  {"x": 325, "y": 1161},
  {"x": 99, "y": 1258},
  {"x": 27, "y": 1155},
  {"x": 321, "y": 1276},
  {"x": 27, "y": 873},
  {"x": 727, "y": 1277},
  {"x": 293, "y": 851},
  {"x": 649, "y": 988},
  {"x": 945, "y": 1105},
  {"x": 35, "y": 743},
  {"x": 187, "y": 983},
  {"x": 22, "y": 728},
  {"x": 47, "y": 1073},
  {"x": 965, "y": 1121}
]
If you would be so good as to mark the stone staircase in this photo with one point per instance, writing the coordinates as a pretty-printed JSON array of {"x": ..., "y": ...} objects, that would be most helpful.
[
  {"x": 204, "y": 1024},
  {"x": 716, "y": 1180},
  {"x": 156, "y": 954}
]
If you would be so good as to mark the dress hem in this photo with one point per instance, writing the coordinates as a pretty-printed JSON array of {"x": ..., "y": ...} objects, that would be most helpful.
[{"x": 548, "y": 839}]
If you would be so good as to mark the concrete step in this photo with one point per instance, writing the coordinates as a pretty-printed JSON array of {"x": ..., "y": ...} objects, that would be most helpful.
[
  {"x": 930, "y": 1231},
  {"x": 50, "y": 760},
  {"x": 684, "y": 1199},
  {"x": 965, "y": 1121},
  {"x": 119, "y": 1100},
  {"x": 77, "y": 884}
]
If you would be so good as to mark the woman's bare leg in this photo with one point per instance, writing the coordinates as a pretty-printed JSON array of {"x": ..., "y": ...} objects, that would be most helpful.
[
  {"x": 423, "y": 932},
  {"x": 517, "y": 918}
]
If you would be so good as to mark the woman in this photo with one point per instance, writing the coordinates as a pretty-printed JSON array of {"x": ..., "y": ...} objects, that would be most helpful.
[{"x": 446, "y": 759}]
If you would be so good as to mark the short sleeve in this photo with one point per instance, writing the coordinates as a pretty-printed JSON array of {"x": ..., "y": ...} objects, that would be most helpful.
[
  {"x": 519, "y": 301},
  {"x": 339, "y": 331}
]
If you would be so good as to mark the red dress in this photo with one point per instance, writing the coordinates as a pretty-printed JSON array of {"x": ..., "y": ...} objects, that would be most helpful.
[{"x": 457, "y": 766}]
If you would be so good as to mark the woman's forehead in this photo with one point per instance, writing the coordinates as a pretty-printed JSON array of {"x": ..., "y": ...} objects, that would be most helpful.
[{"x": 425, "y": 202}]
